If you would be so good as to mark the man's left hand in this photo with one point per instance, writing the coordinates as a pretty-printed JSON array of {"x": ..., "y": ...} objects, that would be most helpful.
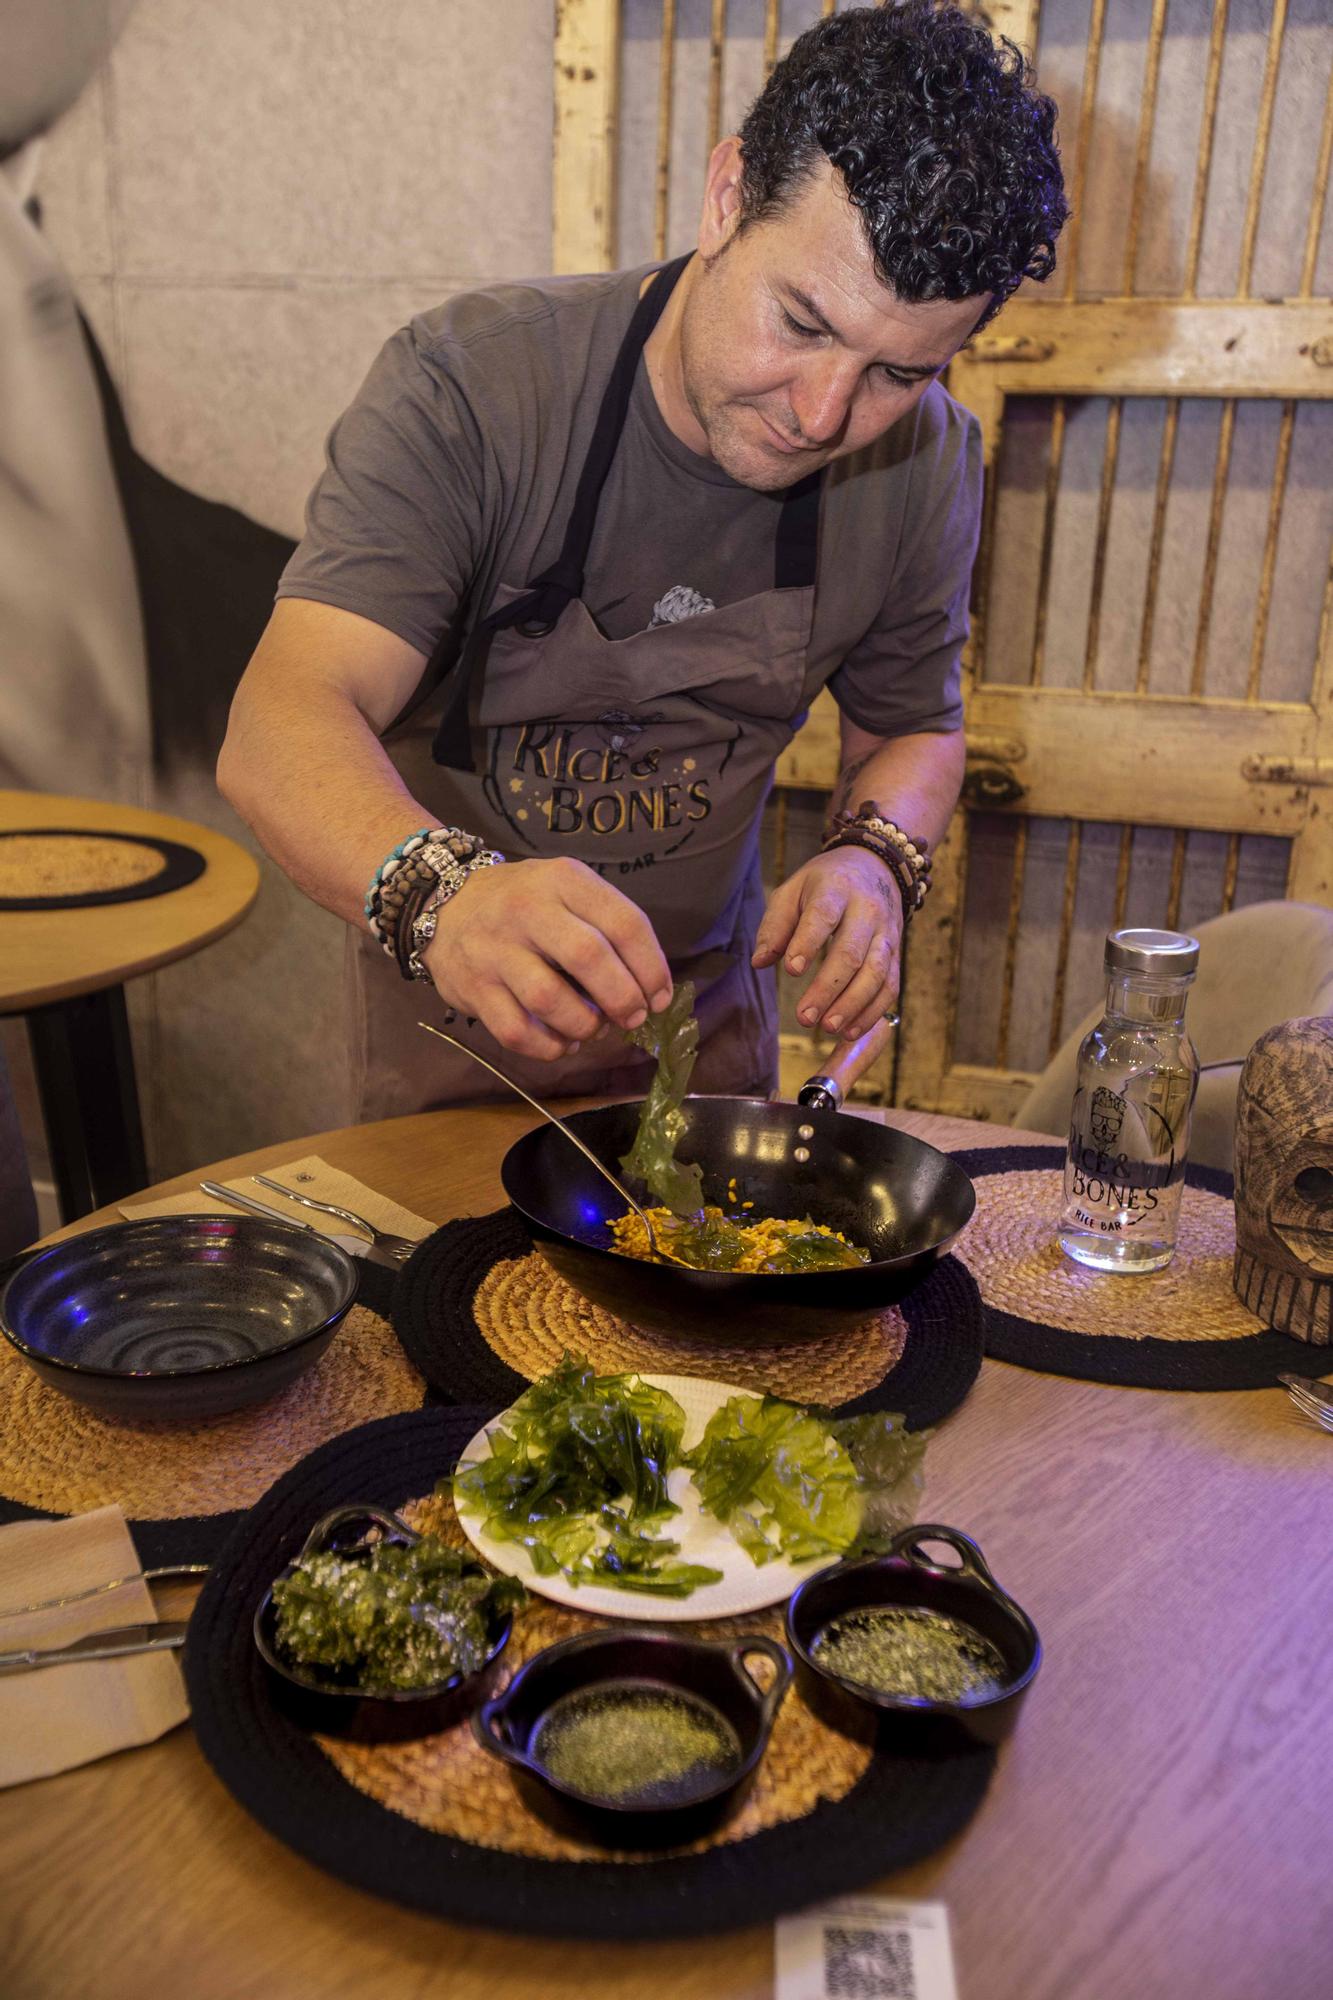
[{"x": 847, "y": 905}]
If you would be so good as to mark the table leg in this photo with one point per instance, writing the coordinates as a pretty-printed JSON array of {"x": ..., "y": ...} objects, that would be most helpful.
[{"x": 84, "y": 1061}]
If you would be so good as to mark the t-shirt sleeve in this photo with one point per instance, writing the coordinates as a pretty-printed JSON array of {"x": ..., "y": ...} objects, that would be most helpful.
[
  {"x": 904, "y": 675},
  {"x": 395, "y": 521}
]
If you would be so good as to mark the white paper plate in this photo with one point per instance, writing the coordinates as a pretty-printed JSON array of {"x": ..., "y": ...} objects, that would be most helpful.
[{"x": 745, "y": 1586}]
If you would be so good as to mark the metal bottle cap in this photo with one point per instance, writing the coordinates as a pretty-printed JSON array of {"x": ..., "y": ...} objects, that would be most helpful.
[{"x": 1163, "y": 954}]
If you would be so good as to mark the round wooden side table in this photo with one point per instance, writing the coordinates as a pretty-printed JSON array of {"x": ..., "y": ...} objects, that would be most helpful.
[{"x": 65, "y": 968}]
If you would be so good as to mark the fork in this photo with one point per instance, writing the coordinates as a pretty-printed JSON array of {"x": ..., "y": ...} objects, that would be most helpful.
[
  {"x": 400, "y": 1247},
  {"x": 1312, "y": 1399}
]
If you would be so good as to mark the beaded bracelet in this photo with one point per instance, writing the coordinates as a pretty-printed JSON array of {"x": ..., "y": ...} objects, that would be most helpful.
[
  {"x": 905, "y": 883},
  {"x": 409, "y": 861},
  {"x": 410, "y": 874},
  {"x": 382, "y": 880},
  {"x": 905, "y": 857},
  {"x": 912, "y": 886}
]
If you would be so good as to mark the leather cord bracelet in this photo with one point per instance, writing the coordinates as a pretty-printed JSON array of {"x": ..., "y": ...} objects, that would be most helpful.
[{"x": 905, "y": 856}]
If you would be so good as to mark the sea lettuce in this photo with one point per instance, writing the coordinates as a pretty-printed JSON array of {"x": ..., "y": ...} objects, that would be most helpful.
[
  {"x": 673, "y": 1038},
  {"x": 791, "y": 1482},
  {"x": 890, "y": 1471},
  {"x": 809, "y": 1249}
]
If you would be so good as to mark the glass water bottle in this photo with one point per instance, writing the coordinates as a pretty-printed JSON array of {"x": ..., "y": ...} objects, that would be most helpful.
[{"x": 1130, "y": 1124}]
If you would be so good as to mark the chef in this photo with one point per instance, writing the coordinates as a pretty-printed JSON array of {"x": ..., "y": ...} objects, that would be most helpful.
[{"x": 583, "y": 553}]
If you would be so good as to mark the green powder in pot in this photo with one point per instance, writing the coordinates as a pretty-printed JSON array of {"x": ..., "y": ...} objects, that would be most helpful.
[
  {"x": 634, "y": 1743},
  {"x": 895, "y": 1649}
]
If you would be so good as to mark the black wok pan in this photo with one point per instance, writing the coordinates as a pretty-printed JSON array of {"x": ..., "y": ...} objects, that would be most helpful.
[{"x": 896, "y": 1196}]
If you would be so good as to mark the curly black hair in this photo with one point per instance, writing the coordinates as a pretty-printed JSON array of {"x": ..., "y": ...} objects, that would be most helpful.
[{"x": 943, "y": 143}]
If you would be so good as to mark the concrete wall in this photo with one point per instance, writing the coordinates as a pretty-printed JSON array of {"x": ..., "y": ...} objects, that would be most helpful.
[{"x": 250, "y": 198}]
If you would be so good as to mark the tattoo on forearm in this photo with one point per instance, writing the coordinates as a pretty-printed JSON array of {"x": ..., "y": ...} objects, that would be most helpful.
[{"x": 842, "y": 791}]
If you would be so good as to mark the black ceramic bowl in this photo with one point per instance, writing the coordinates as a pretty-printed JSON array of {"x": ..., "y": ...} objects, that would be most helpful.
[
  {"x": 906, "y": 1576},
  {"x": 711, "y": 1689},
  {"x": 178, "y": 1316},
  {"x": 342, "y": 1707}
]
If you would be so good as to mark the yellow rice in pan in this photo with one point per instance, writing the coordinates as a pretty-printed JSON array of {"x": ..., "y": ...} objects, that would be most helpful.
[{"x": 764, "y": 1237}]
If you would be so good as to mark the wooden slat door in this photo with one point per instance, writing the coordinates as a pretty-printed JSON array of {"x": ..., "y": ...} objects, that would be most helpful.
[
  {"x": 1169, "y": 738},
  {"x": 1148, "y": 741}
]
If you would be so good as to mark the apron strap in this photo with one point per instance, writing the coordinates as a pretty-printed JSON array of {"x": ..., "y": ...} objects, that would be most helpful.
[
  {"x": 796, "y": 545},
  {"x": 537, "y": 612}
]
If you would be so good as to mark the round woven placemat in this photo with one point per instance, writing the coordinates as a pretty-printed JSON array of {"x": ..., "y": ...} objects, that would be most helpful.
[
  {"x": 1178, "y": 1328},
  {"x": 482, "y": 1314},
  {"x": 383, "y": 1818},
  {"x": 71, "y": 868},
  {"x": 183, "y": 1487}
]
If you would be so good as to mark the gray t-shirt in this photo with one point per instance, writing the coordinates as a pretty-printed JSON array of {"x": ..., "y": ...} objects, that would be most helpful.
[{"x": 453, "y": 472}]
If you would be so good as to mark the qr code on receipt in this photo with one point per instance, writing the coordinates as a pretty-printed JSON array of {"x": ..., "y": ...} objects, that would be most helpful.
[
  {"x": 862, "y": 1964},
  {"x": 865, "y": 1948}
]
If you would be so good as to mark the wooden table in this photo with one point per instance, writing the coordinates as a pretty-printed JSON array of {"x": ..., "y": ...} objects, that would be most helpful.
[
  {"x": 1158, "y": 1828},
  {"x": 65, "y": 970}
]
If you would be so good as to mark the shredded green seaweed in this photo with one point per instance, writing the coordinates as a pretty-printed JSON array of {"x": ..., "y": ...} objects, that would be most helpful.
[
  {"x": 578, "y": 1477},
  {"x": 673, "y": 1038},
  {"x": 391, "y": 1615}
]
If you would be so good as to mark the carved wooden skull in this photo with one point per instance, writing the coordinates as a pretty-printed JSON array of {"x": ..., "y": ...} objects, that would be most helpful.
[{"x": 1284, "y": 1179}]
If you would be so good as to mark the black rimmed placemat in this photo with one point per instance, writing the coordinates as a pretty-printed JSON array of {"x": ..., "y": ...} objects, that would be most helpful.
[
  {"x": 105, "y": 865},
  {"x": 184, "y": 1487},
  {"x": 482, "y": 1314},
  {"x": 894, "y": 1811},
  {"x": 1178, "y": 1328}
]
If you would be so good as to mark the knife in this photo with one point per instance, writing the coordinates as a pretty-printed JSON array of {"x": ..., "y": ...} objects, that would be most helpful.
[
  {"x": 161, "y": 1638},
  {"x": 355, "y": 1246}
]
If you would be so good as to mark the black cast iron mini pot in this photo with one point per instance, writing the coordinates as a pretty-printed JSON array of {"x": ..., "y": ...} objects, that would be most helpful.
[
  {"x": 335, "y": 1707},
  {"x": 906, "y": 1576},
  {"x": 712, "y": 1674}
]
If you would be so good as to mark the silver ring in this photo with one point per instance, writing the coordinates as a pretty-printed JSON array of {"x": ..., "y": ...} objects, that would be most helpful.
[{"x": 893, "y": 1017}]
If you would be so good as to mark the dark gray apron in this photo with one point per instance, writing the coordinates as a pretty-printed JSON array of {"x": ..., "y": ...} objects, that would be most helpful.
[{"x": 648, "y": 758}]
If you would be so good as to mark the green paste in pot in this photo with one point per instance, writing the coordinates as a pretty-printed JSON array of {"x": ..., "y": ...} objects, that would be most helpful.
[{"x": 636, "y": 1744}]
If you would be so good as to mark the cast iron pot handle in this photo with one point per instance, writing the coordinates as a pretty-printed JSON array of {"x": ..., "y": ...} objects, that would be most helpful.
[
  {"x": 490, "y": 1726},
  {"x": 322, "y": 1537},
  {"x": 907, "y": 1545},
  {"x": 778, "y": 1656},
  {"x": 826, "y": 1091}
]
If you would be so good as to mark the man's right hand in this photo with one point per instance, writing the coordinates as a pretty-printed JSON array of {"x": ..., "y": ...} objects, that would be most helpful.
[{"x": 544, "y": 953}]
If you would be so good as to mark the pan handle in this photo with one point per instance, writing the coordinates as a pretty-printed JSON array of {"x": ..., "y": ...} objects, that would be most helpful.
[{"x": 826, "y": 1091}]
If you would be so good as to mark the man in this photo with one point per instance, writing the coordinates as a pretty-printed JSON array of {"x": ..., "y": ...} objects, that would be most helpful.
[{"x": 577, "y": 561}]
